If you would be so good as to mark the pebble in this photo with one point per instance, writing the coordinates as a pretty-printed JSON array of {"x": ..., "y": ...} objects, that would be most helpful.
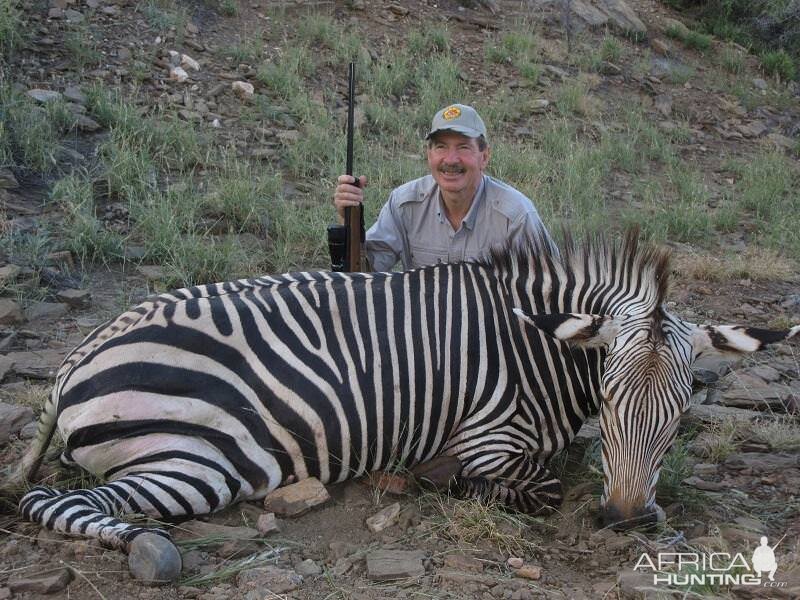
[
  {"x": 267, "y": 523},
  {"x": 515, "y": 562},
  {"x": 308, "y": 568}
]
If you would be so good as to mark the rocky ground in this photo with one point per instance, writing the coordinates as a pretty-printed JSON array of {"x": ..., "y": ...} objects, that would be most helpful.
[{"x": 734, "y": 477}]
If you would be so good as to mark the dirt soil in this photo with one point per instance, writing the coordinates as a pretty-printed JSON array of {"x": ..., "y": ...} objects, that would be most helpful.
[{"x": 721, "y": 500}]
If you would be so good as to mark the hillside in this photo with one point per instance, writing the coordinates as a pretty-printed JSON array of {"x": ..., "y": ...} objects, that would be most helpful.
[{"x": 151, "y": 145}]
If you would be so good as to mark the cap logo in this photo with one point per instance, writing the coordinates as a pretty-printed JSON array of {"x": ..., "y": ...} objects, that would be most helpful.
[{"x": 451, "y": 112}]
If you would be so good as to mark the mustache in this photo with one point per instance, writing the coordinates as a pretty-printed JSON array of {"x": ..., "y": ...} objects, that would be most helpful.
[{"x": 451, "y": 169}]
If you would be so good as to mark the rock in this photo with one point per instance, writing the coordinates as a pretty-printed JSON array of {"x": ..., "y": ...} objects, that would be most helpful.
[
  {"x": 75, "y": 298},
  {"x": 289, "y": 136},
  {"x": 28, "y": 432},
  {"x": 243, "y": 90},
  {"x": 38, "y": 364},
  {"x": 702, "y": 484},
  {"x": 760, "y": 463},
  {"x": 705, "y": 469},
  {"x": 532, "y": 572},
  {"x": 62, "y": 258},
  {"x": 714, "y": 413},
  {"x": 74, "y": 94},
  {"x": 760, "y": 83},
  {"x": 588, "y": 13},
  {"x": 267, "y": 523},
  {"x": 781, "y": 141},
  {"x": 558, "y": 72},
  {"x": 44, "y": 96},
  {"x": 154, "y": 559},
  {"x": 390, "y": 483},
  {"x": 514, "y": 562},
  {"x": 746, "y": 391},
  {"x": 7, "y": 179},
  {"x": 84, "y": 123},
  {"x": 12, "y": 419},
  {"x": 663, "y": 104},
  {"x": 462, "y": 562},
  {"x": 223, "y": 540},
  {"x": 609, "y": 68},
  {"x": 765, "y": 372},
  {"x": 272, "y": 578},
  {"x": 39, "y": 311},
  {"x": 8, "y": 274},
  {"x": 187, "y": 62},
  {"x": 539, "y": 105},
  {"x": 73, "y": 16},
  {"x": 297, "y": 498},
  {"x": 6, "y": 365},
  {"x": 151, "y": 272},
  {"x": 178, "y": 74},
  {"x": 308, "y": 568},
  {"x": 55, "y": 13},
  {"x": 660, "y": 46},
  {"x": 46, "y": 583},
  {"x": 384, "y": 518},
  {"x": 623, "y": 17},
  {"x": 10, "y": 312},
  {"x": 387, "y": 565},
  {"x": 752, "y": 129},
  {"x": 635, "y": 584}
]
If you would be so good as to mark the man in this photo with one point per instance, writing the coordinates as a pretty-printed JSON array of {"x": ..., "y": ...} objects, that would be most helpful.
[{"x": 455, "y": 213}]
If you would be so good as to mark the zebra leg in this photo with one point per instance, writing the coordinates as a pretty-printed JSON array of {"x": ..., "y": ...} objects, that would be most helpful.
[
  {"x": 184, "y": 490},
  {"x": 514, "y": 480}
]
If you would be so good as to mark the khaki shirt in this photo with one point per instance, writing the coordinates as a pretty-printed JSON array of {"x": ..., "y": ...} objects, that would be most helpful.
[{"x": 413, "y": 228}]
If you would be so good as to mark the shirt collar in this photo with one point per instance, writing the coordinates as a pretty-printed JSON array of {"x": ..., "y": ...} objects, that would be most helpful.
[{"x": 472, "y": 214}]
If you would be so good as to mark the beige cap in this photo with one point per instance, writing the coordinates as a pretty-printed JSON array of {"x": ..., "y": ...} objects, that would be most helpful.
[{"x": 459, "y": 118}]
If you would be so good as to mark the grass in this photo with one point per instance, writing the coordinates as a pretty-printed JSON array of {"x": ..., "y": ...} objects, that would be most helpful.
[
  {"x": 780, "y": 64},
  {"x": 11, "y": 29},
  {"x": 755, "y": 264}
]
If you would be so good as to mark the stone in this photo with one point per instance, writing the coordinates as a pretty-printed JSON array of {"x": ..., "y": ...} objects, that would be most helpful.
[
  {"x": 154, "y": 559},
  {"x": 44, "y": 96},
  {"x": 308, "y": 568},
  {"x": 760, "y": 463},
  {"x": 384, "y": 518},
  {"x": 660, "y": 46},
  {"x": 40, "y": 311},
  {"x": 747, "y": 391},
  {"x": 6, "y": 365},
  {"x": 533, "y": 572},
  {"x": 760, "y": 84},
  {"x": 267, "y": 523},
  {"x": 151, "y": 272},
  {"x": 178, "y": 74},
  {"x": 275, "y": 579},
  {"x": 28, "y": 432},
  {"x": 46, "y": 583},
  {"x": 609, "y": 68},
  {"x": 675, "y": 25},
  {"x": 75, "y": 298},
  {"x": 291, "y": 135},
  {"x": 73, "y": 16},
  {"x": 74, "y": 94},
  {"x": 10, "y": 312},
  {"x": 12, "y": 419},
  {"x": 753, "y": 129},
  {"x": 84, "y": 123},
  {"x": 62, "y": 258},
  {"x": 462, "y": 562},
  {"x": 539, "y": 105},
  {"x": 765, "y": 372},
  {"x": 622, "y": 16},
  {"x": 38, "y": 364},
  {"x": 7, "y": 179},
  {"x": 243, "y": 89},
  {"x": 297, "y": 498},
  {"x": 702, "y": 484},
  {"x": 388, "y": 565},
  {"x": 515, "y": 562},
  {"x": 187, "y": 62},
  {"x": 663, "y": 104},
  {"x": 589, "y": 14},
  {"x": 8, "y": 274}
]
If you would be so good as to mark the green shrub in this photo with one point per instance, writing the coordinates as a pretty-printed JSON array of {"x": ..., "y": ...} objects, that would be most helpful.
[
  {"x": 10, "y": 28},
  {"x": 779, "y": 63}
]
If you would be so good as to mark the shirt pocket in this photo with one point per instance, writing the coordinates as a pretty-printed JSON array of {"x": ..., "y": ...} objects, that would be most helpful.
[{"x": 422, "y": 257}]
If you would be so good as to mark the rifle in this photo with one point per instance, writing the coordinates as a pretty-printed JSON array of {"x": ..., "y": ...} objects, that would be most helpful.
[{"x": 344, "y": 241}]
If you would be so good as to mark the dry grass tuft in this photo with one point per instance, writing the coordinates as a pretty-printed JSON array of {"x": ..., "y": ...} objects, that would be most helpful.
[
  {"x": 782, "y": 433},
  {"x": 756, "y": 264}
]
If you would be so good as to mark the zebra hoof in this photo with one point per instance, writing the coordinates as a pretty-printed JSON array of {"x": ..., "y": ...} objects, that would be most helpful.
[{"x": 153, "y": 559}]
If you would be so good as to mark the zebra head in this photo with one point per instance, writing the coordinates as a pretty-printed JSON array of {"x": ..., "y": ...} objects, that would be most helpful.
[{"x": 645, "y": 386}]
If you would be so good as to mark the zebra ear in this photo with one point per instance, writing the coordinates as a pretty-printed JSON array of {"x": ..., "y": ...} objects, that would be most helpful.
[
  {"x": 736, "y": 339},
  {"x": 587, "y": 331}
]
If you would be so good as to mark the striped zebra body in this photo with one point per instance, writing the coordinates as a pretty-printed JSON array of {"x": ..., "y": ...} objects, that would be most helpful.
[{"x": 220, "y": 393}]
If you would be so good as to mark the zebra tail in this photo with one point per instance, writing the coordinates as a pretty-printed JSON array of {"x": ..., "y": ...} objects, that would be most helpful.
[{"x": 25, "y": 471}]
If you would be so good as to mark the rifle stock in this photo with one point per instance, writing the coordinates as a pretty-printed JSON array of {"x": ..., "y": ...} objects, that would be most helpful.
[{"x": 354, "y": 216}]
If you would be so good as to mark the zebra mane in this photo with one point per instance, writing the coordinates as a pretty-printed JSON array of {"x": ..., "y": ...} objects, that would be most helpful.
[{"x": 598, "y": 257}]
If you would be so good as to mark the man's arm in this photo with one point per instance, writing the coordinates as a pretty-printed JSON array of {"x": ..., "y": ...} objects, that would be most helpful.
[
  {"x": 530, "y": 225},
  {"x": 385, "y": 239}
]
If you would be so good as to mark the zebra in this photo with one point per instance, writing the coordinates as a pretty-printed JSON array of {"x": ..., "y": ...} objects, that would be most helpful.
[{"x": 220, "y": 393}]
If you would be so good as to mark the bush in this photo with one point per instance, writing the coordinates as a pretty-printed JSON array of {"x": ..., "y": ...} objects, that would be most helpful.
[{"x": 779, "y": 63}]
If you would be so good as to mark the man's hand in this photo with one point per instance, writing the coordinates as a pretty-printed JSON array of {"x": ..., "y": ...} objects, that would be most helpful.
[{"x": 348, "y": 194}]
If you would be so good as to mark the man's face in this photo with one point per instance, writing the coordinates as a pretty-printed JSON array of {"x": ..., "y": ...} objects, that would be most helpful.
[{"x": 456, "y": 162}]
